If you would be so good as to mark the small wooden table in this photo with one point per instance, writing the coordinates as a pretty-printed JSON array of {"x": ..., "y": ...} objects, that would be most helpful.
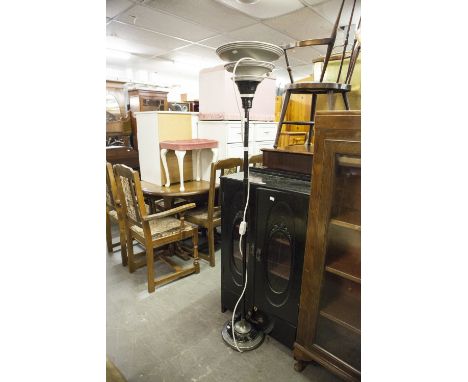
[{"x": 180, "y": 147}]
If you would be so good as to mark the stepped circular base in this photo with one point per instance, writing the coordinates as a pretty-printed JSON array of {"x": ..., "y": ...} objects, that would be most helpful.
[{"x": 247, "y": 337}]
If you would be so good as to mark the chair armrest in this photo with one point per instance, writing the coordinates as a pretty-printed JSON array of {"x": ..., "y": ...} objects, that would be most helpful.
[
  {"x": 170, "y": 212},
  {"x": 303, "y": 43}
]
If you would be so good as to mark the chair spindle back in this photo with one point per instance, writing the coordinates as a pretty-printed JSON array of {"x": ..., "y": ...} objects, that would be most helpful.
[{"x": 330, "y": 43}]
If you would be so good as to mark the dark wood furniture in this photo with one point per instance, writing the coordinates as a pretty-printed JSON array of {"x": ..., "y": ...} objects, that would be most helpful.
[
  {"x": 277, "y": 217},
  {"x": 319, "y": 87},
  {"x": 114, "y": 213},
  {"x": 123, "y": 155},
  {"x": 329, "y": 326},
  {"x": 145, "y": 100},
  {"x": 119, "y": 148},
  {"x": 299, "y": 158},
  {"x": 153, "y": 230},
  {"x": 296, "y": 158},
  {"x": 193, "y": 106},
  {"x": 209, "y": 217}
]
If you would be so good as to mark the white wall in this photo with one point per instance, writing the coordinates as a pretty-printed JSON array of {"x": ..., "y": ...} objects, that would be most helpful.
[{"x": 176, "y": 84}]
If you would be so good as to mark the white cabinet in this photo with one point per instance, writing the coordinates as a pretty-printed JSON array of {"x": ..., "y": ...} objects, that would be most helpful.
[{"x": 229, "y": 134}]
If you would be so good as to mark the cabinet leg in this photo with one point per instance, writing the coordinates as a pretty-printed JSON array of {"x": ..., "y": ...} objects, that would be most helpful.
[
  {"x": 299, "y": 365},
  {"x": 180, "y": 154},
  {"x": 166, "y": 171}
]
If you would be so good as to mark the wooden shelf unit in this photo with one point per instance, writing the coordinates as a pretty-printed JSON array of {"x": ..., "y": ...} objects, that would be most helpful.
[
  {"x": 329, "y": 327},
  {"x": 345, "y": 312},
  {"x": 346, "y": 265}
]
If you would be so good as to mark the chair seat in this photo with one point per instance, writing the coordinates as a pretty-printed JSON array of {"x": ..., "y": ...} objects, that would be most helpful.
[
  {"x": 164, "y": 227},
  {"x": 318, "y": 87},
  {"x": 199, "y": 216}
]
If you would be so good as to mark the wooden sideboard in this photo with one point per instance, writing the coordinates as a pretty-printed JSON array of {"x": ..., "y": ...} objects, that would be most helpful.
[
  {"x": 145, "y": 100},
  {"x": 329, "y": 325},
  {"x": 118, "y": 127}
]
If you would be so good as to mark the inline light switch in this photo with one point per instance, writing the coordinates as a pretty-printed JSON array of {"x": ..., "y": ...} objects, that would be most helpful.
[{"x": 242, "y": 228}]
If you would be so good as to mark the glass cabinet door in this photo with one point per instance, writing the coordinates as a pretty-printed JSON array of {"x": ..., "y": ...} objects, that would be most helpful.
[{"x": 338, "y": 329}]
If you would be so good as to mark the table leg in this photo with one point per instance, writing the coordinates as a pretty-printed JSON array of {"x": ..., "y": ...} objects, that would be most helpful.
[
  {"x": 168, "y": 202},
  {"x": 166, "y": 170},
  {"x": 215, "y": 154},
  {"x": 197, "y": 164},
  {"x": 180, "y": 154}
]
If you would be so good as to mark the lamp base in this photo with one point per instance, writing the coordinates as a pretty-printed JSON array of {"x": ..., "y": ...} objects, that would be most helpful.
[{"x": 247, "y": 337}]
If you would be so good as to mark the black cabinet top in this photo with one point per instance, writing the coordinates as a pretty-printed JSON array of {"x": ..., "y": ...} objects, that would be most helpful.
[{"x": 274, "y": 180}]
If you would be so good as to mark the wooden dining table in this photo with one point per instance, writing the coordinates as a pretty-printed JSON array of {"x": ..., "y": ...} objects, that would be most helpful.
[{"x": 168, "y": 194}]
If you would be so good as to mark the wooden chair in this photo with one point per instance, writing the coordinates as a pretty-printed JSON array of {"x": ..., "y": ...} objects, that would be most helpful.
[
  {"x": 153, "y": 231},
  {"x": 210, "y": 217},
  {"x": 320, "y": 87},
  {"x": 114, "y": 214},
  {"x": 256, "y": 160}
]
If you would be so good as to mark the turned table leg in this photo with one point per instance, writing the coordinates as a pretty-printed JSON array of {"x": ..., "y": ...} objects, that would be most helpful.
[
  {"x": 215, "y": 154},
  {"x": 166, "y": 170},
  {"x": 180, "y": 154},
  {"x": 197, "y": 164}
]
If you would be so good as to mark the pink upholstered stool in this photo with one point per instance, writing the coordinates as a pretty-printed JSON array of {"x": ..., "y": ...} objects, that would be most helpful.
[{"x": 180, "y": 147}]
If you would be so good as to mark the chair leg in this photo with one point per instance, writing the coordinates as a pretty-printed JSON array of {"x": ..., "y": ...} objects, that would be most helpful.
[
  {"x": 123, "y": 244},
  {"x": 196, "y": 264},
  {"x": 211, "y": 246},
  {"x": 284, "y": 108},
  {"x": 313, "y": 108},
  {"x": 108, "y": 234},
  {"x": 130, "y": 254},
  {"x": 150, "y": 266},
  {"x": 331, "y": 100},
  {"x": 346, "y": 100}
]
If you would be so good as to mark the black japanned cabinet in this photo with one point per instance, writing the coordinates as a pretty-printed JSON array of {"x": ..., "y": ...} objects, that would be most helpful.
[
  {"x": 231, "y": 261},
  {"x": 276, "y": 240}
]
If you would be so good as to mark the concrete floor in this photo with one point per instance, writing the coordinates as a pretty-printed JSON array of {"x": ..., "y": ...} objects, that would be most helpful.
[{"x": 174, "y": 334}]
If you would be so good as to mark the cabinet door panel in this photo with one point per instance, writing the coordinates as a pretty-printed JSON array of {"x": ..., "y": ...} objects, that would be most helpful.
[{"x": 280, "y": 234}]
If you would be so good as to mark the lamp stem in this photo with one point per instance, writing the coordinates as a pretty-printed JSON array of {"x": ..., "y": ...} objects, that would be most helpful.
[{"x": 246, "y": 189}]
